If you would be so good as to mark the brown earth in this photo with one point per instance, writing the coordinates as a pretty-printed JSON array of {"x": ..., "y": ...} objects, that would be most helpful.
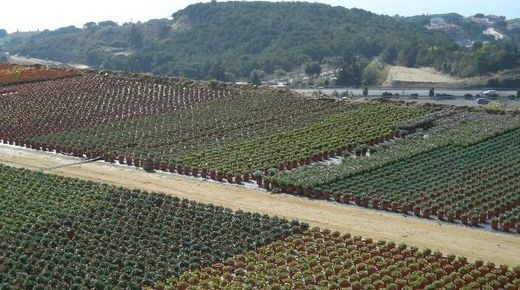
[
  {"x": 449, "y": 239},
  {"x": 417, "y": 75}
]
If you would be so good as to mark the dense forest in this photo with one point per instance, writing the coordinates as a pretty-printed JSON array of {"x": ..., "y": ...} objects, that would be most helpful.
[{"x": 236, "y": 40}]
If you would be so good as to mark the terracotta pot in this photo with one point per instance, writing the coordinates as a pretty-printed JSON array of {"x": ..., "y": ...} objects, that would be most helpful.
[
  {"x": 164, "y": 166},
  {"x": 318, "y": 195},
  {"x": 451, "y": 218}
]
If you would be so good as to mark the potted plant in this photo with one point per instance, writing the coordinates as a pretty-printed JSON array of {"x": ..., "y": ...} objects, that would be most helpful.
[
  {"x": 426, "y": 213},
  {"x": 258, "y": 176},
  {"x": 440, "y": 214},
  {"x": 238, "y": 178},
  {"x": 494, "y": 223},
  {"x": 475, "y": 220},
  {"x": 204, "y": 173},
  {"x": 506, "y": 225},
  {"x": 464, "y": 219},
  {"x": 451, "y": 216}
]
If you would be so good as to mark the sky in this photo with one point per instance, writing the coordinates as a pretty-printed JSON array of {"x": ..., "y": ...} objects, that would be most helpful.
[{"x": 31, "y": 15}]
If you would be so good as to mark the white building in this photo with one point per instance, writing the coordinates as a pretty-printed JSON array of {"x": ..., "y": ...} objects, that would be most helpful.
[{"x": 437, "y": 21}]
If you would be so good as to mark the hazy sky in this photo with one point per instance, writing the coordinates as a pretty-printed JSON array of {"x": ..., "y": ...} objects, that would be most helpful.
[{"x": 41, "y": 14}]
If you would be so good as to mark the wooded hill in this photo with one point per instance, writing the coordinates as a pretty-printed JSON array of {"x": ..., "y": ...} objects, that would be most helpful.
[{"x": 229, "y": 40}]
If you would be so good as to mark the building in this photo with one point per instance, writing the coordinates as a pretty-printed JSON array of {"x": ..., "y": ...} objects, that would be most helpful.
[{"x": 437, "y": 21}]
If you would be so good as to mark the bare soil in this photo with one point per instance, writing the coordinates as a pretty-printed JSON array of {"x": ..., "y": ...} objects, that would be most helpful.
[
  {"x": 416, "y": 75},
  {"x": 450, "y": 239}
]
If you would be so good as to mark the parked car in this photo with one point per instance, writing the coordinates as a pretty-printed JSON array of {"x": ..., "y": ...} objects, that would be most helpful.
[
  {"x": 482, "y": 101},
  {"x": 490, "y": 93},
  {"x": 469, "y": 97}
]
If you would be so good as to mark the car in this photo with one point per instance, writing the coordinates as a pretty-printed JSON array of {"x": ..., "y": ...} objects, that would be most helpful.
[
  {"x": 490, "y": 93},
  {"x": 482, "y": 101}
]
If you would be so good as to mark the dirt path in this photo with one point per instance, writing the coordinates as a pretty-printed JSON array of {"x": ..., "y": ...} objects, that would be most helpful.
[{"x": 449, "y": 239}]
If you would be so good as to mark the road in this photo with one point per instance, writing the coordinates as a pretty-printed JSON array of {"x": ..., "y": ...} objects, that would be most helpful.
[
  {"x": 403, "y": 94},
  {"x": 493, "y": 32},
  {"x": 21, "y": 60},
  {"x": 450, "y": 239}
]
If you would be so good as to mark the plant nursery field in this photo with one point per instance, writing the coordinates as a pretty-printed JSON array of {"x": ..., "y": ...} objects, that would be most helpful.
[
  {"x": 221, "y": 131},
  {"x": 392, "y": 160},
  {"x": 14, "y": 74},
  {"x": 463, "y": 167},
  {"x": 453, "y": 164},
  {"x": 65, "y": 233}
]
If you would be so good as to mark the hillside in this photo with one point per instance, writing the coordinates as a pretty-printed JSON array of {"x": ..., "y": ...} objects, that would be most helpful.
[
  {"x": 462, "y": 29},
  {"x": 230, "y": 40}
]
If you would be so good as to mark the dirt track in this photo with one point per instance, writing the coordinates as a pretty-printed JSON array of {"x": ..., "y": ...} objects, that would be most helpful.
[{"x": 449, "y": 239}]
